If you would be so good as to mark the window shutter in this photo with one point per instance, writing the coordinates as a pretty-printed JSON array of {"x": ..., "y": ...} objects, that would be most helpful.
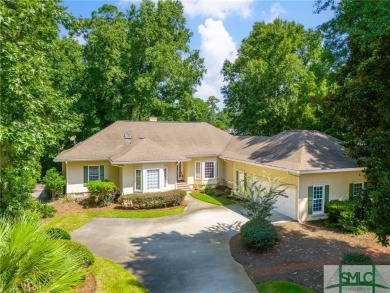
[
  {"x": 85, "y": 174},
  {"x": 350, "y": 191},
  {"x": 237, "y": 180},
  {"x": 326, "y": 193},
  {"x": 245, "y": 182},
  {"x": 101, "y": 172},
  {"x": 310, "y": 200}
]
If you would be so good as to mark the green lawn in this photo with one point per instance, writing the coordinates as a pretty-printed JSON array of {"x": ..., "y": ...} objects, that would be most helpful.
[
  {"x": 217, "y": 200},
  {"x": 73, "y": 221},
  {"x": 281, "y": 286},
  {"x": 111, "y": 277}
]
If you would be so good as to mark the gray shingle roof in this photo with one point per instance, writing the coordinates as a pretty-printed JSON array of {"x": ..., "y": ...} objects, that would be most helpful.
[
  {"x": 177, "y": 141},
  {"x": 298, "y": 150}
]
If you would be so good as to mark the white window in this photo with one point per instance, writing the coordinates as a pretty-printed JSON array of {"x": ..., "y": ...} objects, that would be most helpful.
[
  {"x": 357, "y": 188},
  {"x": 93, "y": 173},
  {"x": 318, "y": 199},
  {"x": 198, "y": 170},
  {"x": 165, "y": 177},
  {"x": 209, "y": 170},
  {"x": 138, "y": 180},
  {"x": 153, "y": 179}
]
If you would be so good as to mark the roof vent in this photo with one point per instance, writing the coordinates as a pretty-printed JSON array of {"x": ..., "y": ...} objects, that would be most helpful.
[
  {"x": 127, "y": 136},
  {"x": 153, "y": 119}
]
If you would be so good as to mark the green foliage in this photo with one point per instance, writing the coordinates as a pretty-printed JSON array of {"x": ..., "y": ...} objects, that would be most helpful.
[
  {"x": 345, "y": 215},
  {"x": 152, "y": 200},
  {"x": 54, "y": 183},
  {"x": 281, "y": 286},
  {"x": 259, "y": 234},
  {"x": 356, "y": 259},
  {"x": 86, "y": 258},
  {"x": 261, "y": 196},
  {"x": 277, "y": 80},
  {"x": 361, "y": 29},
  {"x": 31, "y": 262},
  {"x": 102, "y": 192},
  {"x": 57, "y": 233}
]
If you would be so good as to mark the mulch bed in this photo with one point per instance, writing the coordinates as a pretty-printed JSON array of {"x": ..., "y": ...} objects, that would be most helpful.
[
  {"x": 89, "y": 285},
  {"x": 303, "y": 251}
]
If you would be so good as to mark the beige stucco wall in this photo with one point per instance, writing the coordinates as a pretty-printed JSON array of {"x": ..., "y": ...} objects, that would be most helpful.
[
  {"x": 128, "y": 176},
  {"x": 75, "y": 175},
  {"x": 338, "y": 188},
  {"x": 189, "y": 172}
]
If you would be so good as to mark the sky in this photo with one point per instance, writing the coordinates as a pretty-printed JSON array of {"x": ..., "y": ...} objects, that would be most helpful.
[{"x": 219, "y": 26}]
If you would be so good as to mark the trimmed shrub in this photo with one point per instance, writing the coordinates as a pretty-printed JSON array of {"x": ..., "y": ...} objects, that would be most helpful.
[
  {"x": 152, "y": 200},
  {"x": 259, "y": 234},
  {"x": 47, "y": 211},
  {"x": 102, "y": 192},
  {"x": 86, "y": 256},
  {"x": 54, "y": 183},
  {"x": 57, "y": 233},
  {"x": 356, "y": 259},
  {"x": 345, "y": 215}
]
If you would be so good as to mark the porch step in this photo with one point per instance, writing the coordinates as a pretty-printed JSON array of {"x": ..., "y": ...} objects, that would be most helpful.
[{"x": 183, "y": 186}]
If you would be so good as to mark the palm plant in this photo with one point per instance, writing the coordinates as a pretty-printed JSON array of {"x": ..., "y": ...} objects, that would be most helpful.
[{"x": 32, "y": 262}]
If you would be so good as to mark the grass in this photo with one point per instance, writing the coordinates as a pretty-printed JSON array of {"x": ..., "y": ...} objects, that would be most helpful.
[
  {"x": 111, "y": 277},
  {"x": 71, "y": 222},
  {"x": 217, "y": 200},
  {"x": 281, "y": 286}
]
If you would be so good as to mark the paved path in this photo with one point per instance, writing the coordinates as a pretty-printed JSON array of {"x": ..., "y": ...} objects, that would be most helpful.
[{"x": 182, "y": 253}]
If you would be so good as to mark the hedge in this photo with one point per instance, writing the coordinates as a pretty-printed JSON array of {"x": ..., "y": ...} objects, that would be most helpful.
[
  {"x": 86, "y": 257},
  {"x": 259, "y": 234},
  {"x": 58, "y": 233},
  {"x": 152, "y": 200}
]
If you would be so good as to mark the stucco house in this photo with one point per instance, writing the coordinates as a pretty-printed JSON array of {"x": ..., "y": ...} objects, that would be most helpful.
[{"x": 158, "y": 156}]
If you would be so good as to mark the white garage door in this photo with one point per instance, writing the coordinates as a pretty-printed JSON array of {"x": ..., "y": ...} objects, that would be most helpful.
[{"x": 286, "y": 206}]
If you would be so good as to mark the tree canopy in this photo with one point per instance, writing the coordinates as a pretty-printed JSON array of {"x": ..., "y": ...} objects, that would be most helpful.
[{"x": 277, "y": 80}]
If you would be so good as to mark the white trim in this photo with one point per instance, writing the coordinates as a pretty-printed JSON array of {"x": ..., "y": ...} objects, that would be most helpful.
[
  {"x": 298, "y": 172},
  {"x": 200, "y": 170},
  {"x": 323, "y": 200},
  {"x": 204, "y": 170},
  {"x": 135, "y": 179},
  {"x": 147, "y": 162},
  {"x": 165, "y": 178}
]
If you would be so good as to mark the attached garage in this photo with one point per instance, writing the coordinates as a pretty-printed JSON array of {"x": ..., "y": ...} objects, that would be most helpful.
[{"x": 287, "y": 205}]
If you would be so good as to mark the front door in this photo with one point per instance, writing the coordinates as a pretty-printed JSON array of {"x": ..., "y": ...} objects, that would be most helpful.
[{"x": 180, "y": 171}]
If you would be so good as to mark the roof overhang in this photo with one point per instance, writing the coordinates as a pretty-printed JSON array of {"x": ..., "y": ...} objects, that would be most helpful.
[
  {"x": 79, "y": 160},
  {"x": 148, "y": 162},
  {"x": 330, "y": 170}
]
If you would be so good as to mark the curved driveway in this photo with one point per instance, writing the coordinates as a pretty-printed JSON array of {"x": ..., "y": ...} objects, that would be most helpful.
[{"x": 181, "y": 253}]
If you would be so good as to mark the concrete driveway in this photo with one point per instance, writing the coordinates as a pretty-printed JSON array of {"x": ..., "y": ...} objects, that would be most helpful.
[{"x": 182, "y": 253}]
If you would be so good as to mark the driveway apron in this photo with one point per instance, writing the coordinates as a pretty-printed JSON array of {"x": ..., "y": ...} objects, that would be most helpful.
[{"x": 182, "y": 253}]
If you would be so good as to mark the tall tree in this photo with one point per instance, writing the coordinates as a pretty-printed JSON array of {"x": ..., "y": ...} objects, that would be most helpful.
[
  {"x": 34, "y": 114},
  {"x": 277, "y": 81},
  {"x": 360, "y": 105}
]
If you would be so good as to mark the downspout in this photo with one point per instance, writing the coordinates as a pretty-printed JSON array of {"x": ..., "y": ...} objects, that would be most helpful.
[{"x": 66, "y": 189}]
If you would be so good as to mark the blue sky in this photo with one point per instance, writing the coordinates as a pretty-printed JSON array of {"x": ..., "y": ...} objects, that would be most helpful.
[{"x": 220, "y": 25}]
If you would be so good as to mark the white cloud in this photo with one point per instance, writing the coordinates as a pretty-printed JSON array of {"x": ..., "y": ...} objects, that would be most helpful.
[
  {"x": 275, "y": 11},
  {"x": 217, "y": 8},
  {"x": 216, "y": 46}
]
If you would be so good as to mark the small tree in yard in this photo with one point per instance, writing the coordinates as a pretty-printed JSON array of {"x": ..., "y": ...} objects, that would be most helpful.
[
  {"x": 262, "y": 197},
  {"x": 54, "y": 183},
  {"x": 102, "y": 192}
]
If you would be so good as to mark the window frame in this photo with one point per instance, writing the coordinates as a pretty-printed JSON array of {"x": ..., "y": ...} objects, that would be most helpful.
[
  {"x": 353, "y": 188},
  {"x": 322, "y": 199},
  {"x": 159, "y": 179},
  {"x": 165, "y": 177},
  {"x": 98, "y": 167},
  {"x": 135, "y": 179},
  {"x": 204, "y": 173},
  {"x": 198, "y": 163}
]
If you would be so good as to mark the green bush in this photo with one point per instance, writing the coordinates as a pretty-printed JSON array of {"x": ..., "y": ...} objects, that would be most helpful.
[
  {"x": 86, "y": 256},
  {"x": 57, "y": 233},
  {"x": 345, "y": 215},
  {"x": 152, "y": 200},
  {"x": 47, "y": 211},
  {"x": 54, "y": 183},
  {"x": 102, "y": 192},
  {"x": 356, "y": 259},
  {"x": 259, "y": 234}
]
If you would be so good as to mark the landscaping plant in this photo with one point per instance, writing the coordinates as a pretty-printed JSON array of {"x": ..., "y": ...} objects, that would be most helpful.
[
  {"x": 102, "y": 192},
  {"x": 153, "y": 200},
  {"x": 54, "y": 183},
  {"x": 30, "y": 261},
  {"x": 259, "y": 234},
  {"x": 58, "y": 233},
  {"x": 86, "y": 257}
]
